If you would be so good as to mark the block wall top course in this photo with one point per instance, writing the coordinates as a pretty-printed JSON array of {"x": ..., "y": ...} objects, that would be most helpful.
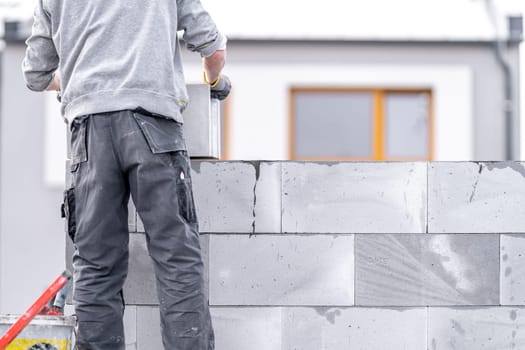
[
  {"x": 308, "y": 197},
  {"x": 358, "y": 197}
]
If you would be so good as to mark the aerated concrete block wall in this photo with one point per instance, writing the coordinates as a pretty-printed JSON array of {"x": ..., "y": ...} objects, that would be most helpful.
[{"x": 361, "y": 256}]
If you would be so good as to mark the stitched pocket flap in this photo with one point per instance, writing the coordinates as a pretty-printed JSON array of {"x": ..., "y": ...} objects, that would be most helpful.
[{"x": 162, "y": 135}]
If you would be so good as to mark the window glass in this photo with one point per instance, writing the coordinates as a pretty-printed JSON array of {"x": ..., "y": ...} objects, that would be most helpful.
[
  {"x": 333, "y": 125},
  {"x": 407, "y": 125}
]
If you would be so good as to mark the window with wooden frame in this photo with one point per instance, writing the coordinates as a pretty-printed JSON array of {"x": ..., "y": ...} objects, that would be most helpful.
[{"x": 361, "y": 124}]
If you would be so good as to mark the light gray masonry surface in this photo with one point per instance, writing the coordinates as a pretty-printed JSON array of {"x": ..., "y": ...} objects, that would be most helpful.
[
  {"x": 311, "y": 256},
  {"x": 132, "y": 217},
  {"x": 140, "y": 287},
  {"x": 354, "y": 328},
  {"x": 130, "y": 321},
  {"x": 354, "y": 197},
  {"x": 268, "y": 198},
  {"x": 282, "y": 270},
  {"x": 254, "y": 328},
  {"x": 413, "y": 270},
  {"x": 476, "y": 328},
  {"x": 512, "y": 269},
  {"x": 492, "y": 193},
  {"x": 224, "y": 193}
]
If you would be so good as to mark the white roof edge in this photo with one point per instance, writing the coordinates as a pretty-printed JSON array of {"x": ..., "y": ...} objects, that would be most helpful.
[{"x": 400, "y": 20}]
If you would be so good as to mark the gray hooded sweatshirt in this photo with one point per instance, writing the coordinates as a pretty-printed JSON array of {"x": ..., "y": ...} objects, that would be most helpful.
[{"x": 116, "y": 55}]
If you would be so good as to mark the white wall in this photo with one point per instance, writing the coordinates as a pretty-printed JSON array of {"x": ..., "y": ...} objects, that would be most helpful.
[
  {"x": 55, "y": 143},
  {"x": 32, "y": 234},
  {"x": 520, "y": 8}
]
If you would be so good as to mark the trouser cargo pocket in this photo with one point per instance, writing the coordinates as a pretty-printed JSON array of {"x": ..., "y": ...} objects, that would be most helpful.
[
  {"x": 78, "y": 156},
  {"x": 166, "y": 141},
  {"x": 68, "y": 212},
  {"x": 184, "y": 190}
]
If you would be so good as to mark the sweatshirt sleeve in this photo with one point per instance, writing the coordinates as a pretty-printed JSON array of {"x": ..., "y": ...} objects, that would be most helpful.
[
  {"x": 41, "y": 58},
  {"x": 200, "y": 32}
]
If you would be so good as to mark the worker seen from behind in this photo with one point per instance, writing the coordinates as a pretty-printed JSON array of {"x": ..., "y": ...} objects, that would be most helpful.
[{"x": 117, "y": 65}]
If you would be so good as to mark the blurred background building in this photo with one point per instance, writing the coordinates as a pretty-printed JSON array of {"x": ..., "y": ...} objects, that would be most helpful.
[
  {"x": 372, "y": 80},
  {"x": 337, "y": 80}
]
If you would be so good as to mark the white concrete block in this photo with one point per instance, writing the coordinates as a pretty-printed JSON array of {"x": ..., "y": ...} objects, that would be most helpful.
[
  {"x": 201, "y": 123},
  {"x": 148, "y": 328},
  {"x": 420, "y": 270},
  {"x": 496, "y": 328},
  {"x": 476, "y": 197},
  {"x": 282, "y": 270},
  {"x": 247, "y": 328},
  {"x": 268, "y": 198},
  {"x": 354, "y": 197},
  {"x": 354, "y": 328},
  {"x": 130, "y": 327},
  {"x": 512, "y": 270},
  {"x": 224, "y": 196}
]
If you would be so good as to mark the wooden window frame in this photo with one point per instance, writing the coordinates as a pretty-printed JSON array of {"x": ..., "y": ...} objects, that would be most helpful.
[
  {"x": 226, "y": 130},
  {"x": 378, "y": 136}
]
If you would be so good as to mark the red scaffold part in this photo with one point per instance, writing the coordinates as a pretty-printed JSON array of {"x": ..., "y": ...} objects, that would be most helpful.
[{"x": 34, "y": 309}]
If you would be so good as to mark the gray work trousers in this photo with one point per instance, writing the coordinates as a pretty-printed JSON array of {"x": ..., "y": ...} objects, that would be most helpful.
[{"x": 114, "y": 155}]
